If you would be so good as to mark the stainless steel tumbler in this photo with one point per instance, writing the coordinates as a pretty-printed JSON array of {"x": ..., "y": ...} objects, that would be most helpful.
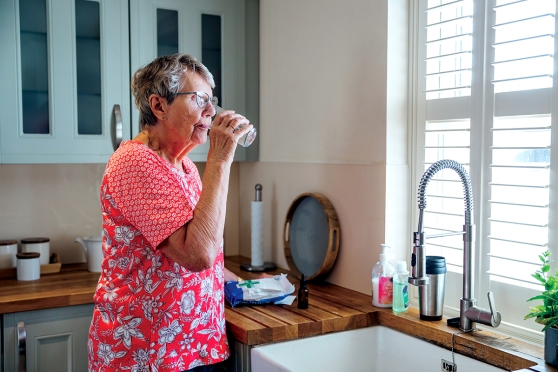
[{"x": 431, "y": 296}]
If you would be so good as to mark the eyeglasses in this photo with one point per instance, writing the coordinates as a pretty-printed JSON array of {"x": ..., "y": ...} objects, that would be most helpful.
[{"x": 202, "y": 98}]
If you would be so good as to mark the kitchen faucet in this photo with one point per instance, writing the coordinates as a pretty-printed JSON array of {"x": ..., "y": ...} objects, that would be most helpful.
[{"x": 468, "y": 312}]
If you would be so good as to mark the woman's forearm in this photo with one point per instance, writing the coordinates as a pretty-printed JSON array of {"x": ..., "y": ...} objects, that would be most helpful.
[{"x": 196, "y": 244}]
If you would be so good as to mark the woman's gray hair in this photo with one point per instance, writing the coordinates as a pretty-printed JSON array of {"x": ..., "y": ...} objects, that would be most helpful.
[{"x": 163, "y": 77}]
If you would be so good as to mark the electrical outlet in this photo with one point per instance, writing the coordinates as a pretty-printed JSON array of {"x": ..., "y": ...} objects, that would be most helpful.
[{"x": 448, "y": 366}]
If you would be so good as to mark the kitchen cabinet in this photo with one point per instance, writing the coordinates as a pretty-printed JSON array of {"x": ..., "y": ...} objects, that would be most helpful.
[
  {"x": 65, "y": 70},
  {"x": 222, "y": 34},
  {"x": 46, "y": 340},
  {"x": 64, "y": 67}
]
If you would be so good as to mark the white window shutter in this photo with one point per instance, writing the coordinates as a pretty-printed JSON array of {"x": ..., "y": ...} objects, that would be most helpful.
[{"x": 508, "y": 157}]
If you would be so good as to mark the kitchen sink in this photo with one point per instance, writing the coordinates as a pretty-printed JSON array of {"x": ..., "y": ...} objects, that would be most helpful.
[{"x": 376, "y": 348}]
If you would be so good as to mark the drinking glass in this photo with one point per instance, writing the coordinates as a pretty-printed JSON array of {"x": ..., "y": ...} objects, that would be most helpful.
[{"x": 247, "y": 139}]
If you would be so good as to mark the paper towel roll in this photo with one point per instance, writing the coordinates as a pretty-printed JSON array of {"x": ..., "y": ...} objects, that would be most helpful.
[{"x": 257, "y": 233}]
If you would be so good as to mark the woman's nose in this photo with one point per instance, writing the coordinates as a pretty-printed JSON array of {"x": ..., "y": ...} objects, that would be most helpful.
[{"x": 210, "y": 110}]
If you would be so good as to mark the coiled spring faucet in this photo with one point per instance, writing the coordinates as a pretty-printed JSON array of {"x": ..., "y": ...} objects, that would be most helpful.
[{"x": 468, "y": 312}]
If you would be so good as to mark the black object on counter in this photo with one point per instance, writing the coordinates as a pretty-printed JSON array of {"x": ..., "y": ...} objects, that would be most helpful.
[
  {"x": 454, "y": 322},
  {"x": 302, "y": 294}
]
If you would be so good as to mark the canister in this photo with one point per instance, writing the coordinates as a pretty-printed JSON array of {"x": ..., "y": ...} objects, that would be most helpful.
[
  {"x": 38, "y": 245},
  {"x": 8, "y": 251},
  {"x": 28, "y": 266}
]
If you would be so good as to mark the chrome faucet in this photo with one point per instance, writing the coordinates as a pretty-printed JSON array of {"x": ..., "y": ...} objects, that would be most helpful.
[{"x": 468, "y": 312}]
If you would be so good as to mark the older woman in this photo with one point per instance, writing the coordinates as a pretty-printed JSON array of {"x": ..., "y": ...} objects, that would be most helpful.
[{"x": 159, "y": 303}]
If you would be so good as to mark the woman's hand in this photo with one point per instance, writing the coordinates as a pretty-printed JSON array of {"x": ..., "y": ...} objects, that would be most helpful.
[
  {"x": 225, "y": 132},
  {"x": 264, "y": 275},
  {"x": 230, "y": 276}
]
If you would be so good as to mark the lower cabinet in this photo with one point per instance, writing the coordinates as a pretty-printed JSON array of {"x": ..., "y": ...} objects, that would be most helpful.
[
  {"x": 56, "y": 340},
  {"x": 46, "y": 340}
]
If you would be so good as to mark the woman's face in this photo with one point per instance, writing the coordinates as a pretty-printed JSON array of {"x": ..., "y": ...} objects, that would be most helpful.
[{"x": 186, "y": 121}]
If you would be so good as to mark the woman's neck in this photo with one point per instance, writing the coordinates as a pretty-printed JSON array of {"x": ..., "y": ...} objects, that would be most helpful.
[{"x": 150, "y": 138}]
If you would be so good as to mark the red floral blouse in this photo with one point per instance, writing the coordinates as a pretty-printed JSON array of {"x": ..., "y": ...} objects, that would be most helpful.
[{"x": 151, "y": 314}]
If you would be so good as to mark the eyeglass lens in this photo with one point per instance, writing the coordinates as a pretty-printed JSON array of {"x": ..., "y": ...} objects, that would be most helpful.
[{"x": 202, "y": 99}]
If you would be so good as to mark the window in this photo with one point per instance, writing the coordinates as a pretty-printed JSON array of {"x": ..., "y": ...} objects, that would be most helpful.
[{"x": 483, "y": 87}]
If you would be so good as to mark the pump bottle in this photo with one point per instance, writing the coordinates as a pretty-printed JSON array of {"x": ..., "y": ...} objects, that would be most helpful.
[
  {"x": 400, "y": 289},
  {"x": 382, "y": 280}
]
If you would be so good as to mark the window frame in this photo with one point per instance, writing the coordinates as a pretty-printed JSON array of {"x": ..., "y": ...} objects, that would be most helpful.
[{"x": 481, "y": 116}]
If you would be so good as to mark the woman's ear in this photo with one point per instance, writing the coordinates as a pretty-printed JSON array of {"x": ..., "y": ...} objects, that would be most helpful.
[{"x": 158, "y": 106}]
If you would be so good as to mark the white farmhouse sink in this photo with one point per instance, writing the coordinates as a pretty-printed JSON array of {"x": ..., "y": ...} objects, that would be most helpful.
[{"x": 376, "y": 348}]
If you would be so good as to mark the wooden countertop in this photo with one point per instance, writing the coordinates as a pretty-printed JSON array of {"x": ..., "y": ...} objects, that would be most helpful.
[
  {"x": 331, "y": 308},
  {"x": 73, "y": 285}
]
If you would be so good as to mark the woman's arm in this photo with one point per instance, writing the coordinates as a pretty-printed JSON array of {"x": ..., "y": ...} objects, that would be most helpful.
[{"x": 196, "y": 244}]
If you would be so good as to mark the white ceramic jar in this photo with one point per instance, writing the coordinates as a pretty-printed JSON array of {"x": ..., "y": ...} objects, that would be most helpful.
[
  {"x": 8, "y": 251},
  {"x": 38, "y": 245},
  {"x": 28, "y": 266}
]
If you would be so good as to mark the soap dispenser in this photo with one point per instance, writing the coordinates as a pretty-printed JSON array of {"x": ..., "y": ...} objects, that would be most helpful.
[
  {"x": 382, "y": 280},
  {"x": 400, "y": 288},
  {"x": 302, "y": 302}
]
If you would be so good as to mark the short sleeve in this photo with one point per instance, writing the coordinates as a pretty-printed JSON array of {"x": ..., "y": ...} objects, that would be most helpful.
[{"x": 152, "y": 196}]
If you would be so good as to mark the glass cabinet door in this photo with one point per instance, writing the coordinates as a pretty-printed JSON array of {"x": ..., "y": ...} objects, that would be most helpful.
[
  {"x": 88, "y": 67},
  {"x": 34, "y": 66},
  {"x": 210, "y": 30},
  {"x": 65, "y": 73},
  {"x": 167, "y": 32},
  {"x": 211, "y": 56}
]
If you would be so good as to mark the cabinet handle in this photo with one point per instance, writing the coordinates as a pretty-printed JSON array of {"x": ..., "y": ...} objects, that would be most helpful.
[
  {"x": 116, "y": 125},
  {"x": 21, "y": 341}
]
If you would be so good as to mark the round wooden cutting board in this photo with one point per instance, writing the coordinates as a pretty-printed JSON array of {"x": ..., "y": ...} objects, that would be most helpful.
[{"x": 311, "y": 236}]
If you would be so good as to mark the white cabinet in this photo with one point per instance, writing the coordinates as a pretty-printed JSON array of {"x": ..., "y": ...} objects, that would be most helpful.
[
  {"x": 64, "y": 68},
  {"x": 215, "y": 32},
  {"x": 46, "y": 340}
]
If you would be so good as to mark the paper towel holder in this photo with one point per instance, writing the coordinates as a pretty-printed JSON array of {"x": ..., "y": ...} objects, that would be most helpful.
[{"x": 266, "y": 266}]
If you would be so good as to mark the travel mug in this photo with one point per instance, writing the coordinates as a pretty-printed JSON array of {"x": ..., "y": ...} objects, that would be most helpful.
[{"x": 431, "y": 296}]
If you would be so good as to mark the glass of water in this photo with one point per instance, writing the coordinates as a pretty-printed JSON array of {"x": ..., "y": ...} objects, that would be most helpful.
[{"x": 247, "y": 139}]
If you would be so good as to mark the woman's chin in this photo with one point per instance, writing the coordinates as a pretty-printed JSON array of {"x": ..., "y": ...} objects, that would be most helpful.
[{"x": 199, "y": 137}]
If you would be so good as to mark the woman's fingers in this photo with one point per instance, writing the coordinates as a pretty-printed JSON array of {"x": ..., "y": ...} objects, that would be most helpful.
[
  {"x": 232, "y": 122},
  {"x": 222, "y": 118}
]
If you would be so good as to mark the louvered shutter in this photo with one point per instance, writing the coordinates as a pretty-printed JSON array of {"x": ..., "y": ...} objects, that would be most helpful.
[{"x": 485, "y": 71}]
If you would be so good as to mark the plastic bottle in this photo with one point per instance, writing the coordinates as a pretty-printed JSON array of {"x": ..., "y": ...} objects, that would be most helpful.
[
  {"x": 400, "y": 289},
  {"x": 302, "y": 302},
  {"x": 382, "y": 277}
]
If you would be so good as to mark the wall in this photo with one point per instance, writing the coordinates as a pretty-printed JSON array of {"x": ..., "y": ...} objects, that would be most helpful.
[
  {"x": 333, "y": 120},
  {"x": 61, "y": 202},
  {"x": 57, "y": 201}
]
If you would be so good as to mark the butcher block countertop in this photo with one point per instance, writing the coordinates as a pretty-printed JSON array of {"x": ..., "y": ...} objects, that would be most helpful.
[
  {"x": 73, "y": 285},
  {"x": 331, "y": 308}
]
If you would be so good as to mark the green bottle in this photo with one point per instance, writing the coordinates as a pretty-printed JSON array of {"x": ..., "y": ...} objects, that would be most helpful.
[{"x": 400, "y": 288}]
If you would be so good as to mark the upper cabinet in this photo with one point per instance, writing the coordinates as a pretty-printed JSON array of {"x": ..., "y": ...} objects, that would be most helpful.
[
  {"x": 215, "y": 32},
  {"x": 64, "y": 67}
]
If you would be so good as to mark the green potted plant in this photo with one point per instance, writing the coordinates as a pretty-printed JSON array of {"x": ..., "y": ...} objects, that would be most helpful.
[{"x": 547, "y": 313}]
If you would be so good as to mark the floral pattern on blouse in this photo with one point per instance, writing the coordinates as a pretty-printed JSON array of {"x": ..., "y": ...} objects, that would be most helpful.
[{"x": 150, "y": 313}]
